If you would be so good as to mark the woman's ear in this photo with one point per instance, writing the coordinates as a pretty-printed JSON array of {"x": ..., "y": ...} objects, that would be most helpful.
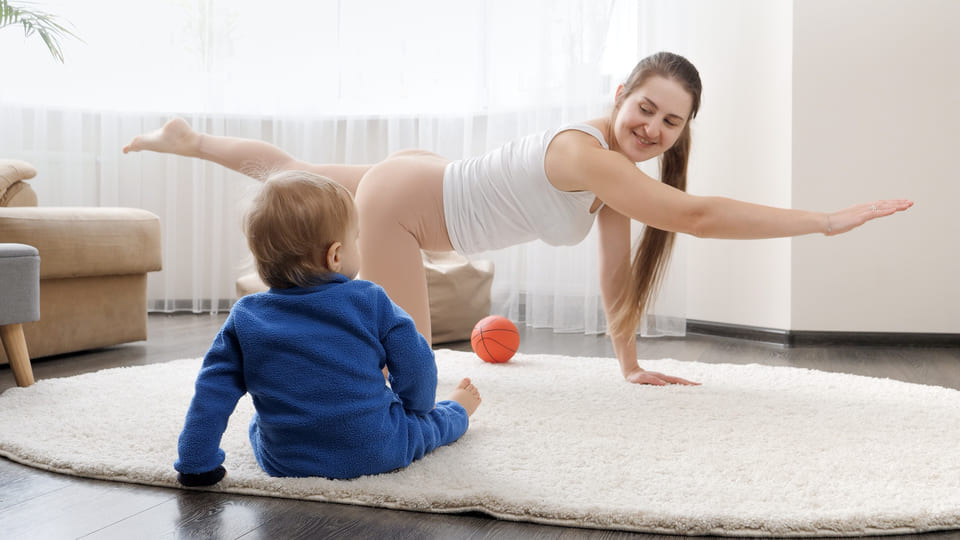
[
  {"x": 619, "y": 91},
  {"x": 334, "y": 262}
]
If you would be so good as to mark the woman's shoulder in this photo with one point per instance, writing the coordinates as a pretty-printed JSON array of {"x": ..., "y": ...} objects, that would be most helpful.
[
  {"x": 570, "y": 140},
  {"x": 569, "y": 154},
  {"x": 595, "y": 129}
]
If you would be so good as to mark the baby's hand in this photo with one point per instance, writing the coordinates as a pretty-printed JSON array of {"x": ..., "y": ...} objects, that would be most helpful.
[{"x": 202, "y": 479}]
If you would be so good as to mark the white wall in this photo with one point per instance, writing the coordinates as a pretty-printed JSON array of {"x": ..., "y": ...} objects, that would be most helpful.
[
  {"x": 742, "y": 149},
  {"x": 876, "y": 114},
  {"x": 819, "y": 104}
]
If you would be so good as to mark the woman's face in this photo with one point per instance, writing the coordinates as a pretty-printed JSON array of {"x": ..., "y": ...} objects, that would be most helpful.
[{"x": 651, "y": 118}]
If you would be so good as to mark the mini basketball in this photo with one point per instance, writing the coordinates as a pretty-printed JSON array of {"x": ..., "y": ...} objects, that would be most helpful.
[{"x": 495, "y": 339}]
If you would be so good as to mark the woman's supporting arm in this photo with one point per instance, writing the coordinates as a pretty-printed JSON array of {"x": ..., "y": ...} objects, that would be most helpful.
[
  {"x": 613, "y": 231},
  {"x": 614, "y": 266}
]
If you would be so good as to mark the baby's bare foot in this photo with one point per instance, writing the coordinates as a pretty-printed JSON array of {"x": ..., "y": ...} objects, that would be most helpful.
[
  {"x": 466, "y": 394},
  {"x": 175, "y": 137}
]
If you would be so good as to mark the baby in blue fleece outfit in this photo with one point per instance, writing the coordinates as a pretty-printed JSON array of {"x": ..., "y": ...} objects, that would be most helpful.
[{"x": 312, "y": 353}]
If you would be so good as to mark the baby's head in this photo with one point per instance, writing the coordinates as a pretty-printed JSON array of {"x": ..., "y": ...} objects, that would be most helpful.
[{"x": 301, "y": 227}]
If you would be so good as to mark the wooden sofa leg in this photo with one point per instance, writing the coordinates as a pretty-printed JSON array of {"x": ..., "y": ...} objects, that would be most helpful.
[{"x": 15, "y": 346}]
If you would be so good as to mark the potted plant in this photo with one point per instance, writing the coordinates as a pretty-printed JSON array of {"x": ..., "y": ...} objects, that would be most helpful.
[{"x": 37, "y": 22}]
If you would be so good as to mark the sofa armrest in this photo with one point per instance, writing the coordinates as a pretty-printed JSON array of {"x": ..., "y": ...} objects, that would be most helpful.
[
  {"x": 13, "y": 190},
  {"x": 81, "y": 241}
]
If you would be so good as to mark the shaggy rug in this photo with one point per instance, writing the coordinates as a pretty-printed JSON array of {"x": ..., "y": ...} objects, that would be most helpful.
[{"x": 755, "y": 451}]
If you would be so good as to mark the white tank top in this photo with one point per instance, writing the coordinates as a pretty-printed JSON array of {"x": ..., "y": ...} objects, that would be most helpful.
[{"x": 503, "y": 198}]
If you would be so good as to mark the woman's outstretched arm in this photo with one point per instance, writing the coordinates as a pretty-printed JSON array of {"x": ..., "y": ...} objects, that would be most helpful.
[{"x": 626, "y": 189}]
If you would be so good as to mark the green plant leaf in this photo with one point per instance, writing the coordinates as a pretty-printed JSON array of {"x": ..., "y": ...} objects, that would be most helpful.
[{"x": 35, "y": 21}]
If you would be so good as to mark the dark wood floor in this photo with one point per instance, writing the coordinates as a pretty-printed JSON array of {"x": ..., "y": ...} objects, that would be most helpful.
[{"x": 40, "y": 505}]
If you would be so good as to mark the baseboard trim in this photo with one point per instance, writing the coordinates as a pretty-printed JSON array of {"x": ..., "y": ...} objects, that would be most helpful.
[
  {"x": 801, "y": 338},
  {"x": 191, "y": 306}
]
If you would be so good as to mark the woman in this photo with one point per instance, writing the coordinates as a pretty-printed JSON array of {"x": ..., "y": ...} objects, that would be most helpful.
[{"x": 550, "y": 186}]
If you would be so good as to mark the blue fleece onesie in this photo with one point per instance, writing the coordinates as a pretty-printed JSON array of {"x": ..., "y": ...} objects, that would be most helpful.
[{"x": 312, "y": 359}]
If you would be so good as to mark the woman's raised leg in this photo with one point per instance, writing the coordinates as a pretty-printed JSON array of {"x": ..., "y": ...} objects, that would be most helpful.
[
  {"x": 248, "y": 156},
  {"x": 400, "y": 203}
]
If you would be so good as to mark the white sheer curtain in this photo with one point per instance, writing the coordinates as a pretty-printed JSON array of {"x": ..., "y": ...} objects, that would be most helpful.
[{"x": 328, "y": 81}]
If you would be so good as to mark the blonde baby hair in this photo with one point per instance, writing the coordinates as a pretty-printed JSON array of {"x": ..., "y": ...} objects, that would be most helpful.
[{"x": 291, "y": 223}]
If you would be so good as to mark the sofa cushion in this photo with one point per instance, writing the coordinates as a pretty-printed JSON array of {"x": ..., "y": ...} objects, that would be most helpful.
[
  {"x": 80, "y": 241},
  {"x": 13, "y": 171},
  {"x": 459, "y": 293},
  {"x": 13, "y": 190},
  {"x": 19, "y": 194}
]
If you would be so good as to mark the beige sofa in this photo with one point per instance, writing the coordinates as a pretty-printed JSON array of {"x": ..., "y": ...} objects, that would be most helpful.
[{"x": 93, "y": 267}]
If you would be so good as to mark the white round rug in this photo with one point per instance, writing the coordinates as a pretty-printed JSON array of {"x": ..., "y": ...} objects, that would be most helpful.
[{"x": 754, "y": 451}]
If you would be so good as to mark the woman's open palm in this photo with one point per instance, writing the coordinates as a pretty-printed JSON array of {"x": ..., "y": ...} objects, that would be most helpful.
[
  {"x": 657, "y": 379},
  {"x": 851, "y": 218}
]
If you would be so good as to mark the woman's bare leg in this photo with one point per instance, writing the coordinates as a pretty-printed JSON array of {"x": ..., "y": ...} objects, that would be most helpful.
[
  {"x": 400, "y": 206},
  {"x": 400, "y": 202},
  {"x": 248, "y": 156}
]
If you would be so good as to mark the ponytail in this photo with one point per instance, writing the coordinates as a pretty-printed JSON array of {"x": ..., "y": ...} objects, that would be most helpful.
[{"x": 652, "y": 255}]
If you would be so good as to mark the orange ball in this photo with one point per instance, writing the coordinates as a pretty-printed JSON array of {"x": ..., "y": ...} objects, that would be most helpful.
[{"x": 495, "y": 339}]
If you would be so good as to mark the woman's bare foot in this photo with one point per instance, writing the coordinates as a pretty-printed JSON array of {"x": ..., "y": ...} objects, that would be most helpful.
[
  {"x": 466, "y": 394},
  {"x": 175, "y": 137}
]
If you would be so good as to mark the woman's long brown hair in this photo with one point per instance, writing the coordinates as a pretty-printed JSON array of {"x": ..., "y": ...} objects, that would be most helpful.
[{"x": 652, "y": 256}]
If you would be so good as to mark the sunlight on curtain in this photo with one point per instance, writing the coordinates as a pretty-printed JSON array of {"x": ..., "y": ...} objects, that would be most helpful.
[{"x": 327, "y": 81}]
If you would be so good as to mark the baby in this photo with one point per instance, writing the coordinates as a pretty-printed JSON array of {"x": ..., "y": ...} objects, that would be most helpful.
[{"x": 312, "y": 352}]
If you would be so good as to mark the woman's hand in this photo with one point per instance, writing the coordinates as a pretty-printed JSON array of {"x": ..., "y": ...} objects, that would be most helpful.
[
  {"x": 639, "y": 376},
  {"x": 851, "y": 218}
]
